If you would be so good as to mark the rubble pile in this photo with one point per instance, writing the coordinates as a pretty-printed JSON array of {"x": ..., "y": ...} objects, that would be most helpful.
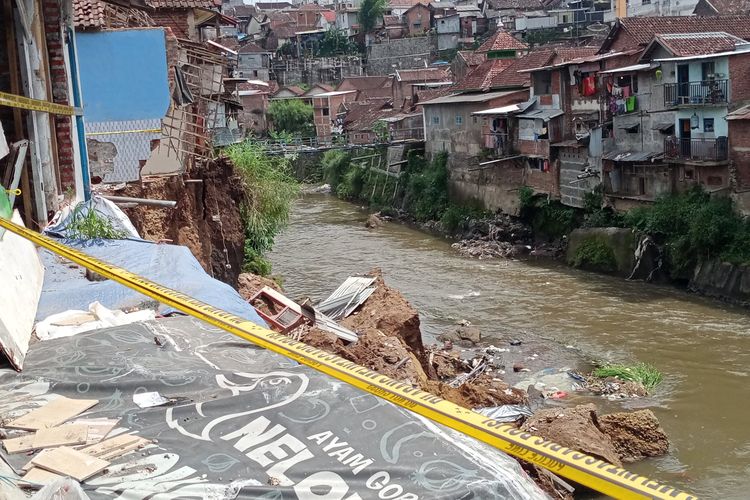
[
  {"x": 464, "y": 371},
  {"x": 499, "y": 236}
]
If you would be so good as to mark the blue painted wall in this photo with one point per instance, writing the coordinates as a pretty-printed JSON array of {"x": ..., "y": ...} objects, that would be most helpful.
[{"x": 123, "y": 74}]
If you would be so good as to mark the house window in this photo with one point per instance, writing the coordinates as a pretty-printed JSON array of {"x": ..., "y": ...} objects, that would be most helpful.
[
  {"x": 325, "y": 112},
  {"x": 542, "y": 82},
  {"x": 459, "y": 120},
  {"x": 475, "y": 120},
  {"x": 646, "y": 2},
  {"x": 436, "y": 120},
  {"x": 708, "y": 124},
  {"x": 707, "y": 70},
  {"x": 628, "y": 81}
]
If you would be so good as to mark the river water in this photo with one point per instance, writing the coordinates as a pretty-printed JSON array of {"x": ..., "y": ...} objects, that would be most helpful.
[{"x": 701, "y": 346}]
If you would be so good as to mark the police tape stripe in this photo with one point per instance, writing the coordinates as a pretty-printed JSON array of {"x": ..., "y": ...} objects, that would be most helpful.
[
  {"x": 579, "y": 467},
  {"x": 19, "y": 101},
  {"x": 119, "y": 132}
]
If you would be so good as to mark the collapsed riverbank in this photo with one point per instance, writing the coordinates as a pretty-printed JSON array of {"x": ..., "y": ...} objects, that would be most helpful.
[{"x": 476, "y": 374}]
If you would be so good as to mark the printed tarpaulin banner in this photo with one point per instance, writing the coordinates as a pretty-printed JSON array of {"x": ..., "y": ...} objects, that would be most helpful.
[{"x": 243, "y": 422}]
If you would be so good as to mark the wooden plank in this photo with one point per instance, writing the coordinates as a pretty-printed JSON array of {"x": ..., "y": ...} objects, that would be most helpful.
[
  {"x": 30, "y": 464},
  {"x": 37, "y": 475},
  {"x": 70, "y": 462},
  {"x": 48, "y": 438},
  {"x": 98, "y": 428},
  {"x": 116, "y": 446},
  {"x": 53, "y": 413}
]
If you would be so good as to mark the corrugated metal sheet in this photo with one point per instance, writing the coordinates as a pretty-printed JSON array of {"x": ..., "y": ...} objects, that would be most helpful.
[
  {"x": 346, "y": 298},
  {"x": 631, "y": 156}
]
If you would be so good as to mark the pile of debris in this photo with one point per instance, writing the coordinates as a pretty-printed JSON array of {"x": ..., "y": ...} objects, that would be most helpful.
[
  {"x": 499, "y": 236},
  {"x": 61, "y": 445},
  {"x": 389, "y": 341}
]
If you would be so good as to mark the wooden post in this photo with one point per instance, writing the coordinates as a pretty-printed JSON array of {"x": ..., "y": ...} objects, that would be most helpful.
[{"x": 15, "y": 88}]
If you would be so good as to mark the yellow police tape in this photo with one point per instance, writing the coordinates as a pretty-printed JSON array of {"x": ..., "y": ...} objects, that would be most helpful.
[
  {"x": 19, "y": 101},
  {"x": 579, "y": 467},
  {"x": 120, "y": 132}
]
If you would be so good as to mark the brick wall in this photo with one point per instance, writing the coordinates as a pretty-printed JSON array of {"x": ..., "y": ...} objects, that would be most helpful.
[
  {"x": 739, "y": 152},
  {"x": 60, "y": 87},
  {"x": 739, "y": 74},
  {"x": 175, "y": 19}
]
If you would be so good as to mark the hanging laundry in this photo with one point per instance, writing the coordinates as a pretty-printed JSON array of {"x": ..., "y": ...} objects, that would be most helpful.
[
  {"x": 630, "y": 104},
  {"x": 589, "y": 86},
  {"x": 626, "y": 91},
  {"x": 572, "y": 73},
  {"x": 545, "y": 166}
]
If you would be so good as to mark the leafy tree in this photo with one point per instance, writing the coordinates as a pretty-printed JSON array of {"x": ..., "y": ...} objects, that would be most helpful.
[
  {"x": 336, "y": 43},
  {"x": 292, "y": 116},
  {"x": 369, "y": 13}
]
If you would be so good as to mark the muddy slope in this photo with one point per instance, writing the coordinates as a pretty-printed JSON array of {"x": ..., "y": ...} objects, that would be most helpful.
[{"x": 206, "y": 218}]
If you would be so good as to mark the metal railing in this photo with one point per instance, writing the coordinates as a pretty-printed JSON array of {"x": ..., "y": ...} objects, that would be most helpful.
[
  {"x": 696, "y": 149},
  {"x": 701, "y": 92}
]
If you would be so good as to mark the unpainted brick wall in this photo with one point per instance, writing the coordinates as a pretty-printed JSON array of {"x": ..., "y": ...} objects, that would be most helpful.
[
  {"x": 59, "y": 77},
  {"x": 739, "y": 152}
]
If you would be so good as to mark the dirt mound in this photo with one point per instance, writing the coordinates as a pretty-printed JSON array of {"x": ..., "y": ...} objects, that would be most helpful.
[
  {"x": 576, "y": 428},
  {"x": 635, "y": 435},
  {"x": 206, "y": 219},
  {"x": 388, "y": 312},
  {"x": 482, "y": 392},
  {"x": 248, "y": 284}
]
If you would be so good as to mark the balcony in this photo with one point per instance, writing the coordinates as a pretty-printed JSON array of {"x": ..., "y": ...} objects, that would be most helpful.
[
  {"x": 705, "y": 92},
  {"x": 496, "y": 144},
  {"x": 696, "y": 149}
]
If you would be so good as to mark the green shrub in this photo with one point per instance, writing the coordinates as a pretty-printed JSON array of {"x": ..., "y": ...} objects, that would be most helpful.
[
  {"x": 595, "y": 255},
  {"x": 270, "y": 190},
  {"x": 526, "y": 197},
  {"x": 351, "y": 183},
  {"x": 457, "y": 216},
  {"x": 427, "y": 187},
  {"x": 292, "y": 116},
  {"x": 335, "y": 163}
]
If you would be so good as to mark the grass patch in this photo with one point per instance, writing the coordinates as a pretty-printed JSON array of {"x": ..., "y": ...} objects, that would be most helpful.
[
  {"x": 643, "y": 373},
  {"x": 87, "y": 223},
  {"x": 595, "y": 255}
]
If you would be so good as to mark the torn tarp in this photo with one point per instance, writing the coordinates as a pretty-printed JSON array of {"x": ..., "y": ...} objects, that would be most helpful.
[
  {"x": 248, "y": 423},
  {"x": 66, "y": 287}
]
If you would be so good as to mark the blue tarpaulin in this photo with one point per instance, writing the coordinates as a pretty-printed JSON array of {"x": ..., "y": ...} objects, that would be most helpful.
[{"x": 66, "y": 286}]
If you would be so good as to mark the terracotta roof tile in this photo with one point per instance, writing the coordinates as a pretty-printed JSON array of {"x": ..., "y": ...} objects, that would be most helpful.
[
  {"x": 329, "y": 15},
  {"x": 643, "y": 29},
  {"x": 405, "y": 3},
  {"x": 251, "y": 48},
  {"x": 504, "y": 73},
  {"x": 472, "y": 59},
  {"x": 502, "y": 40},
  {"x": 364, "y": 82},
  {"x": 362, "y": 115},
  {"x": 88, "y": 14},
  {"x": 695, "y": 44},
  {"x": 729, "y": 7},
  {"x": 272, "y": 5},
  {"x": 183, "y": 4},
  {"x": 441, "y": 74},
  {"x": 392, "y": 21}
]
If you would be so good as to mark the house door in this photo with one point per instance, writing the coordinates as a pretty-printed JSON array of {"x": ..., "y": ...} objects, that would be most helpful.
[
  {"x": 683, "y": 83},
  {"x": 685, "y": 142}
]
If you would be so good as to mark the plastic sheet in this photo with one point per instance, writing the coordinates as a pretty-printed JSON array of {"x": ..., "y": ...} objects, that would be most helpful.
[
  {"x": 245, "y": 422},
  {"x": 66, "y": 287}
]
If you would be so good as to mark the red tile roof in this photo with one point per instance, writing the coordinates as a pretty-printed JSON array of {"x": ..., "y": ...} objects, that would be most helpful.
[
  {"x": 329, "y": 15},
  {"x": 643, "y": 29},
  {"x": 724, "y": 7},
  {"x": 272, "y": 5},
  {"x": 88, "y": 14},
  {"x": 441, "y": 74},
  {"x": 310, "y": 6},
  {"x": 364, "y": 82},
  {"x": 183, "y": 4},
  {"x": 563, "y": 54},
  {"x": 502, "y": 40},
  {"x": 405, "y": 4},
  {"x": 392, "y": 21},
  {"x": 472, "y": 59},
  {"x": 362, "y": 115},
  {"x": 504, "y": 73},
  {"x": 695, "y": 44}
]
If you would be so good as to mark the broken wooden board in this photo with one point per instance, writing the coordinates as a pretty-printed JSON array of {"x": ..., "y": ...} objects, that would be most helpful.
[
  {"x": 98, "y": 428},
  {"x": 70, "y": 434},
  {"x": 70, "y": 462},
  {"x": 53, "y": 413},
  {"x": 116, "y": 446},
  {"x": 30, "y": 464},
  {"x": 39, "y": 476}
]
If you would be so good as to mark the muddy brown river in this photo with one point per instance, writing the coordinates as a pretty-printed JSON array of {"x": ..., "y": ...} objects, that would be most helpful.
[{"x": 701, "y": 346}]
